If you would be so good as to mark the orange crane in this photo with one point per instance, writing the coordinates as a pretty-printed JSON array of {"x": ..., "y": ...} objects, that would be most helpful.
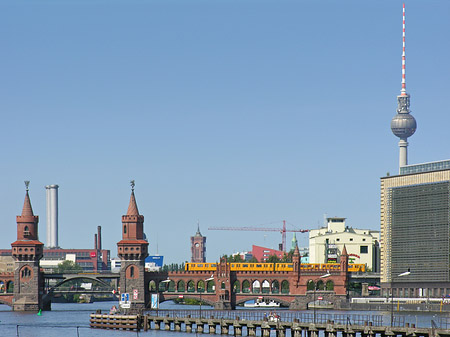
[{"x": 281, "y": 230}]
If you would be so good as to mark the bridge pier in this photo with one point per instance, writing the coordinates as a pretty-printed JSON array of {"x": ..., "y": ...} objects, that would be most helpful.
[
  {"x": 167, "y": 325},
  {"x": 225, "y": 329},
  {"x": 188, "y": 326},
  {"x": 212, "y": 328},
  {"x": 199, "y": 326},
  {"x": 265, "y": 329},
  {"x": 177, "y": 325},
  {"x": 251, "y": 330},
  {"x": 237, "y": 329},
  {"x": 157, "y": 325}
]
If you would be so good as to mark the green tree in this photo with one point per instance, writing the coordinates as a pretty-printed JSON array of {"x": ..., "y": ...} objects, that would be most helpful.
[
  {"x": 273, "y": 259},
  {"x": 253, "y": 260},
  {"x": 68, "y": 267}
]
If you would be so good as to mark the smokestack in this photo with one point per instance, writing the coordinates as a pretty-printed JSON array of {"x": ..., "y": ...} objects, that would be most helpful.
[
  {"x": 52, "y": 215},
  {"x": 95, "y": 243},
  {"x": 99, "y": 237}
]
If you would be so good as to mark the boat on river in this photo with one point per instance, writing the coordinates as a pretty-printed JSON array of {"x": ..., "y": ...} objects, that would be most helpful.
[{"x": 261, "y": 303}]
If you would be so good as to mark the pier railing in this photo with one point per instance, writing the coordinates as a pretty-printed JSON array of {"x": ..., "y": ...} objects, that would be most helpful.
[{"x": 285, "y": 316}]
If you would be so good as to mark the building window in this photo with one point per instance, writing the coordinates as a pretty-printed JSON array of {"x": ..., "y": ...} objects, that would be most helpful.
[
  {"x": 338, "y": 239},
  {"x": 351, "y": 239},
  {"x": 364, "y": 249},
  {"x": 124, "y": 229}
]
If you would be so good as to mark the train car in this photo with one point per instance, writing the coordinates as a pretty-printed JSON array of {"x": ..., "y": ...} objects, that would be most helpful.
[
  {"x": 244, "y": 266},
  {"x": 190, "y": 266},
  {"x": 284, "y": 267},
  {"x": 357, "y": 267}
]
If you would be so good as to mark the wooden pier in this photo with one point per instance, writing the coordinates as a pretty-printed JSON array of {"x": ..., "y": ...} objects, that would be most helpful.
[{"x": 263, "y": 328}]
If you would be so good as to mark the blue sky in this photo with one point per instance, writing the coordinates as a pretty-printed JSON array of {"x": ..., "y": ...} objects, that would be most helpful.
[{"x": 231, "y": 113}]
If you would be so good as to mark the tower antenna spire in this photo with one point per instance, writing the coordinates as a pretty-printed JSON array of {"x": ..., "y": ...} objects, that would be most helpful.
[
  {"x": 403, "y": 91},
  {"x": 403, "y": 125}
]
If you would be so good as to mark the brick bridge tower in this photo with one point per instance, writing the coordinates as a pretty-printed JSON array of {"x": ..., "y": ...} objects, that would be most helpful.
[
  {"x": 132, "y": 250},
  {"x": 27, "y": 250}
]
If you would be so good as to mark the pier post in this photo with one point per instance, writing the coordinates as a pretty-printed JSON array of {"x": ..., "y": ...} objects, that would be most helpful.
[
  {"x": 237, "y": 329},
  {"x": 177, "y": 325},
  {"x": 167, "y": 325},
  {"x": 265, "y": 329},
  {"x": 251, "y": 330},
  {"x": 145, "y": 321},
  {"x": 157, "y": 324},
  {"x": 212, "y": 328},
  {"x": 188, "y": 325},
  {"x": 200, "y": 326},
  {"x": 296, "y": 330},
  {"x": 224, "y": 329}
]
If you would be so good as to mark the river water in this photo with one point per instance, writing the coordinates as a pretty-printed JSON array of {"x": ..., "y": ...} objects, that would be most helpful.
[{"x": 71, "y": 319}]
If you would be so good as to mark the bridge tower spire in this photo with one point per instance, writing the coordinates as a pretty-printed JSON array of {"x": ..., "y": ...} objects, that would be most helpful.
[
  {"x": 132, "y": 250},
  {"x": 27, "y": 250}
]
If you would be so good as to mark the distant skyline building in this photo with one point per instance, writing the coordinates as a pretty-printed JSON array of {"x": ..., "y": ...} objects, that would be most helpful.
[
  {"x": 52, "y": 215},
  {"x": 403, "y": 125},
  {"x": 198, "y": 247}
]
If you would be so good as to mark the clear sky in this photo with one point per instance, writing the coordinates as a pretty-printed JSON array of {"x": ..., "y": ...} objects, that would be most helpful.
[{"x": 227, "y": 112}]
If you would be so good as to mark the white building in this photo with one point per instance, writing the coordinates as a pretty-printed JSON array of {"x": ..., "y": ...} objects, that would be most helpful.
[
  {"x": 48, "y": 264},
  {"x": 326, "y": 244}
]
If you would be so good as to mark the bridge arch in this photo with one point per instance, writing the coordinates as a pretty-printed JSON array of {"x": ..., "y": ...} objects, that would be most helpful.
[
  {"x": 285, "y": 287},
  {"x": 246, "y": 286},
  {"x": 265, "y": 287},
  {"x": 236, "y": 286},
  {"x": 181, "y": 286},
  {"x": 256, "y": 287},
  {"x": 275, "y": 287}
]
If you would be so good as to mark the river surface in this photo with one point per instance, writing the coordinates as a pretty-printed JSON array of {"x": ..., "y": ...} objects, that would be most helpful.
[{"x": 71, "y": 319}]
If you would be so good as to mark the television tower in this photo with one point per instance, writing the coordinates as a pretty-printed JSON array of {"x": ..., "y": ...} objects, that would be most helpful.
[{"x": 403, "y": 125}]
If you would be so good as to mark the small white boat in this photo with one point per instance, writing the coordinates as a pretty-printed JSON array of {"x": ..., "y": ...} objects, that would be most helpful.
[{"x": 261, "y": 303}]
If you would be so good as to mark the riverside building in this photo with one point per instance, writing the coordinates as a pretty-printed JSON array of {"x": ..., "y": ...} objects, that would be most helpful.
[{"x": 415, "y": 231}]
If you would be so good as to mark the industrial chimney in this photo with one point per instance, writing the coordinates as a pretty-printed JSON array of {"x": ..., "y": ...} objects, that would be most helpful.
[{"x": 52, "y": 215}]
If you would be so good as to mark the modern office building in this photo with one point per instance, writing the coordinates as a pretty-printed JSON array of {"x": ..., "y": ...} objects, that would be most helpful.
[
  {"x": 415, "y": 231},
  {"x": 327, "y": 243}
]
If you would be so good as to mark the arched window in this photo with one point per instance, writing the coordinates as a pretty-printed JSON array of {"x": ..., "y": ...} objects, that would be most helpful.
[
  {"x": 246, "y": 286},
  {"x": 256, "y": 287},
  {"x": 329, "y": 285},
  {"x": 320, "y": 285},
  {"x": 132, "y": 271},
  {"x": 275, "y": 287},
  {"x": 10, "y": 287},
  {"x": 201, "y": 286},
  {"x": 152, "y": 285},
  {"x": 2, "y": 287},
  {"x": 124, "y": 229},
  {"x": 236, "y": 286},
  {"x": 285, "y": 287},
  {"x": 191, "y": 286},
  {"x": 265, "y": 287},
  {"x": 26, "y": 231},
  {"x": 310, "y": 285},
  {"x": 210, "y": 286},
  {"x": 171, "y": 286},
  {"x": 181, "y": 286}
]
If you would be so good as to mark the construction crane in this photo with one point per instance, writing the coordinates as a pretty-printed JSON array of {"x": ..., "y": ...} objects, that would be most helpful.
[{"x": 281, "y": 230}]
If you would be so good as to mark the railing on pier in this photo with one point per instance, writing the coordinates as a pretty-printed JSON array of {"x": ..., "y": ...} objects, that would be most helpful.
[{"x": 285, "y": 316}]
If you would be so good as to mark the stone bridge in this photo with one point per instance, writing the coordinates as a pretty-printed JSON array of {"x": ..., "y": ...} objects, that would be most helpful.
[{"x": 6, "y": 288}]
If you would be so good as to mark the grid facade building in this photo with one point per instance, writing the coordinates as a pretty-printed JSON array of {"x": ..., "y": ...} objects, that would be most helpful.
[{"x": 415, "y": 232}]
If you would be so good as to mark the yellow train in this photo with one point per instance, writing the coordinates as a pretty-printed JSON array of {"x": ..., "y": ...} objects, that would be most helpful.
[{"x": 244, "y": 266}]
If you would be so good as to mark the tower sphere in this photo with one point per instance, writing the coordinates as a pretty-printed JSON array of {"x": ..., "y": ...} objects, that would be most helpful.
[{"x": 403, "y": 125}]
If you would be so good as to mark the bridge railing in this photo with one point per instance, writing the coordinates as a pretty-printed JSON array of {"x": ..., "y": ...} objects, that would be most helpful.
[
  {"x": 285, "y": 316},
  {"x": 86, "y": 272}
]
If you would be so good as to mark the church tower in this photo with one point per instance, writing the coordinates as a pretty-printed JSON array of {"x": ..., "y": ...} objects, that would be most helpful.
[
  {"x": 198, "y": 247},
  {"x": 132, "y": 250},
  {"x": 27, "y": 250}
]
